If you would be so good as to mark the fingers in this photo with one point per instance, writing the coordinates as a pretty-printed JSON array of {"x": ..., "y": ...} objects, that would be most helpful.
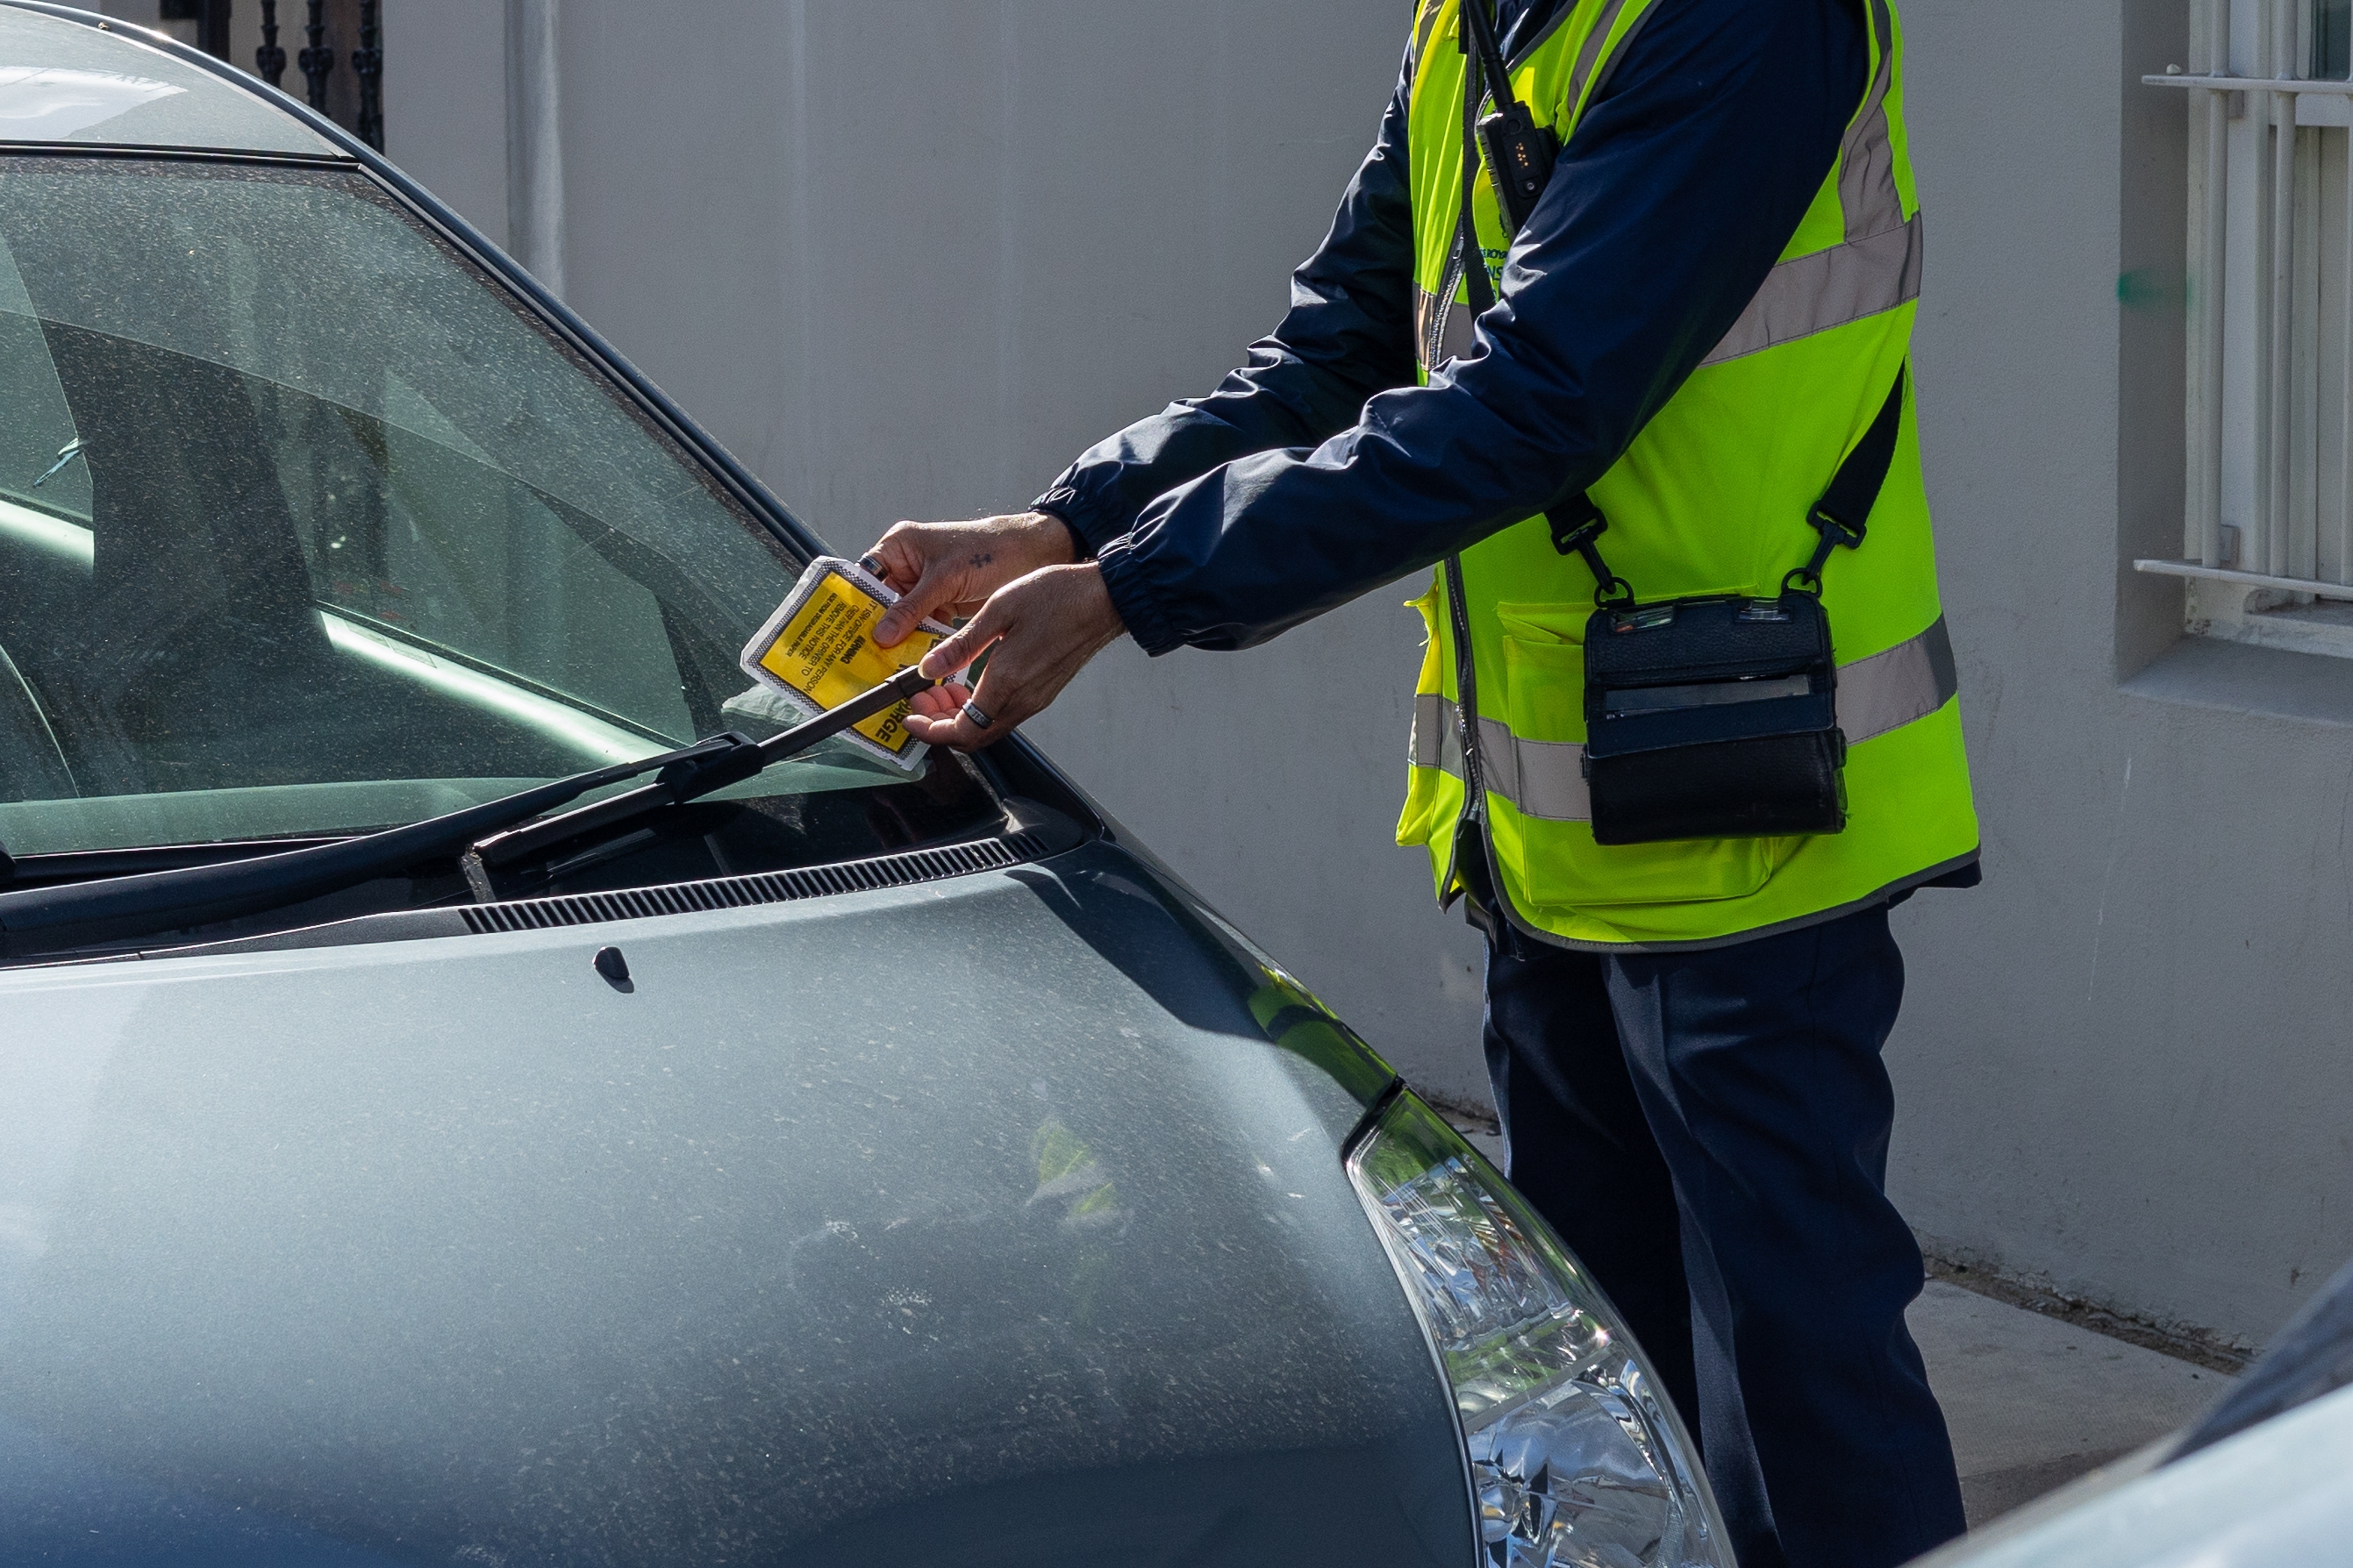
[
  {"x": 1039, "y": 633},
  {"x": 970, "y": 641},
  {"x": 953, "y": 566},
  {"x": 898, "y": 556},
  {"x": 940, "y": 702},
  {"x": 913, "y": 608},
  {"x": 916, "y": 567},
  {"x": 1015, "y": 688}
]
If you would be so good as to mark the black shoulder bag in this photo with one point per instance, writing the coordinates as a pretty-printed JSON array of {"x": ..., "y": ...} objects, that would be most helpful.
[
  {"x": 1705, "y": 718},
  {"x": 1717, "y": 718}
]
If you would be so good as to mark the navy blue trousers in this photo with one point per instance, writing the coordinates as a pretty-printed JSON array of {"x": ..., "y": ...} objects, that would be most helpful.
[{"x": 1708, "y": 1131}]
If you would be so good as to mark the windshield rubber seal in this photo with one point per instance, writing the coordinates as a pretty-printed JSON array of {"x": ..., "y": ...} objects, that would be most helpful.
[{"x": 132, "y": 150}]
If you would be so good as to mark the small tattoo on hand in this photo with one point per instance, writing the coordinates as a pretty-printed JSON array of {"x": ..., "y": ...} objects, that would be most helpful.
[{"x": 983, "y": 559}]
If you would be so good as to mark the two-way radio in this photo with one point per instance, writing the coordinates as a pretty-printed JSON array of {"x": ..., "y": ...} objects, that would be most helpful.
[{"x": 1520, "y": 153}]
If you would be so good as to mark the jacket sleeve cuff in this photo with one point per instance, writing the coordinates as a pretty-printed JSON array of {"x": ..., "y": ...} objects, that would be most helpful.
[
  {"x": 1092, "y": 522},
  {"x": 1133, "y": 597},
  {"x": 1059, "y": 503}
]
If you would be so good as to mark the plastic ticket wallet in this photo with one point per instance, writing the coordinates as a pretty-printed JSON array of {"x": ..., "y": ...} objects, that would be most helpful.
[{"x": 818, "y": 650}]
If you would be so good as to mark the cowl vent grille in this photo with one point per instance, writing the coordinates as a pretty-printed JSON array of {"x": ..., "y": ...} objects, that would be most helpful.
[{"x": 764, "y": 888}]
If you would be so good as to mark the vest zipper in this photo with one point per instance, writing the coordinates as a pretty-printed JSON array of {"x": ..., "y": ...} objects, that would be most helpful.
[
  {"x": 1473, "y": 816},
  {"x": 1473, "y": 820},
  {"x": 1449, "y": 278}
]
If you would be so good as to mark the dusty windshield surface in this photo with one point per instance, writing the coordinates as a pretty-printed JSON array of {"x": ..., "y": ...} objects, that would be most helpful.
[{"x": 305, "y": 527}]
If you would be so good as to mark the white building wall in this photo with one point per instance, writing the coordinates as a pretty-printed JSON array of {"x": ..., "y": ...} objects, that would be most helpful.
[
  {"x": 2124, "y": 1063},
  {"x": 906, "y": 259}
]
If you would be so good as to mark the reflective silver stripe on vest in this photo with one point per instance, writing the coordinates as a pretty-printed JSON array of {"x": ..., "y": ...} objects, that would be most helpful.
[
  {"x": 1878, "y": 268},
  {"x": 1541, "y": 778},
  {"x": 1421, "y": 35},
  {"x": 1441, "y": 331},
  {"x": 1828, "y": 289},
  {"x": 1545, "y": 779},
  {"x": 1589, "y": 57},
  {"x": 1897, "y": 686},
  {"x": 1435, "y": 744},
  {"x": 1867, "y": 190}
]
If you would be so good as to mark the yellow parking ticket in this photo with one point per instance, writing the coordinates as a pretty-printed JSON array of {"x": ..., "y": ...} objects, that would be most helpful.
[{"x": 819, "y": 649}]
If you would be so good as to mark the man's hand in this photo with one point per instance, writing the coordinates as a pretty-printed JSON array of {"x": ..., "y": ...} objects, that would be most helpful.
[
  {"x": 1043, "y": 629},
  {"x": 951, "y": 568}
]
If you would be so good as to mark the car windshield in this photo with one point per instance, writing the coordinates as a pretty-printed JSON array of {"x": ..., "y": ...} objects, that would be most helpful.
[{"x": 307, "y": 527}]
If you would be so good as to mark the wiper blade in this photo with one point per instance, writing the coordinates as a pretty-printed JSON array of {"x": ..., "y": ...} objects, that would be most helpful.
[
  {"x": 505, "y": 849},
  {"x": 50, "y": 918}
]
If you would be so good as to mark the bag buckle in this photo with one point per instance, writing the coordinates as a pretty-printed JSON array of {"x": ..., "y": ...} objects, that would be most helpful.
[
  {"x": 1837, "y": 533},
  {"x": 1576, "y": 525}
]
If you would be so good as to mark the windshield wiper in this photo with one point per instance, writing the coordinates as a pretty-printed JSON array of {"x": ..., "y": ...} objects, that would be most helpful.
[
  {"x": 50, "y": 918},
  {"x": 54, "y": 917},
  {"x": 505, "y": 849}
]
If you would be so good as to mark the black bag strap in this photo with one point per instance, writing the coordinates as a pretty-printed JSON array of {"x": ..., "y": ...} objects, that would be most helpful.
[
  {"x": 1843, "y": 514},
  {"x": 1576, "y": 522},
  {"x": 1577, "y": 526},
  {"x": 1474, "y": 255},
  {"x": 1521, "y": 156},
  {"x": 1519, "y": 152}
]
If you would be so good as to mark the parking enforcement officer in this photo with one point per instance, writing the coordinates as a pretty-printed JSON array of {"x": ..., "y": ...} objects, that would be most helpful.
[{"x": 1702, "y": 317}]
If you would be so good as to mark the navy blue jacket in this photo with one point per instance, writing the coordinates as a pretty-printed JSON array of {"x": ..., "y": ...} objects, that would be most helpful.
[{"x": 1320, "y": 471}]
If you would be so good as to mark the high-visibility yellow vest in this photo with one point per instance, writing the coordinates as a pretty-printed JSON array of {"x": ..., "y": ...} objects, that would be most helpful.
[{"x": 1712, "y": 498}]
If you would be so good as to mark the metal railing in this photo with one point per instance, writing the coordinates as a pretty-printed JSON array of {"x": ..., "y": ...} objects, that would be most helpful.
[
  {"x": 360, "y": 108},
  {"x": 2270, "y": 480}
]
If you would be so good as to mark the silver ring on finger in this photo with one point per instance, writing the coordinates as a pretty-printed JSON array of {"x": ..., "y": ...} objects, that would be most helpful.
[
  {"x": 981, "y": 719},
  {"x": 871, "y": 563}
]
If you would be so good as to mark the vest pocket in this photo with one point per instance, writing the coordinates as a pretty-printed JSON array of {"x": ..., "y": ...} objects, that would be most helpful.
[
  {"x": 1418, "y": 823},
  {"x": 1552, "y": 861}
]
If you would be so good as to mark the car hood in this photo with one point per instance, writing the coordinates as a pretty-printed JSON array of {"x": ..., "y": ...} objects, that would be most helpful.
[{"x": 980, "y": 1221}]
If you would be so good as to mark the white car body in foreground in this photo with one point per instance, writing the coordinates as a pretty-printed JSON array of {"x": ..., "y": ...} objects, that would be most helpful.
[{"x": 2265, "y": 1480}]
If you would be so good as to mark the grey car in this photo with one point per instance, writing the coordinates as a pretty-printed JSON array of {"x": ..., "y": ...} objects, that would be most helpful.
[{"x": 803, "y": 1162}]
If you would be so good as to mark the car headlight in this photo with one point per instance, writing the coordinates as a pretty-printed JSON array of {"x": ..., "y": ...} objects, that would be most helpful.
[{"x": 1576, "y": 1456}]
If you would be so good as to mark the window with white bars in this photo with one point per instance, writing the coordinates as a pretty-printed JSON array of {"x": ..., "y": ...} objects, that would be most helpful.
[{"x": 2267, "y": 546}]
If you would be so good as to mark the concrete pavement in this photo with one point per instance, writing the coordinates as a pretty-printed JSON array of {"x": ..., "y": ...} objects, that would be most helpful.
[{"x": 2034, "y": 1401}]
